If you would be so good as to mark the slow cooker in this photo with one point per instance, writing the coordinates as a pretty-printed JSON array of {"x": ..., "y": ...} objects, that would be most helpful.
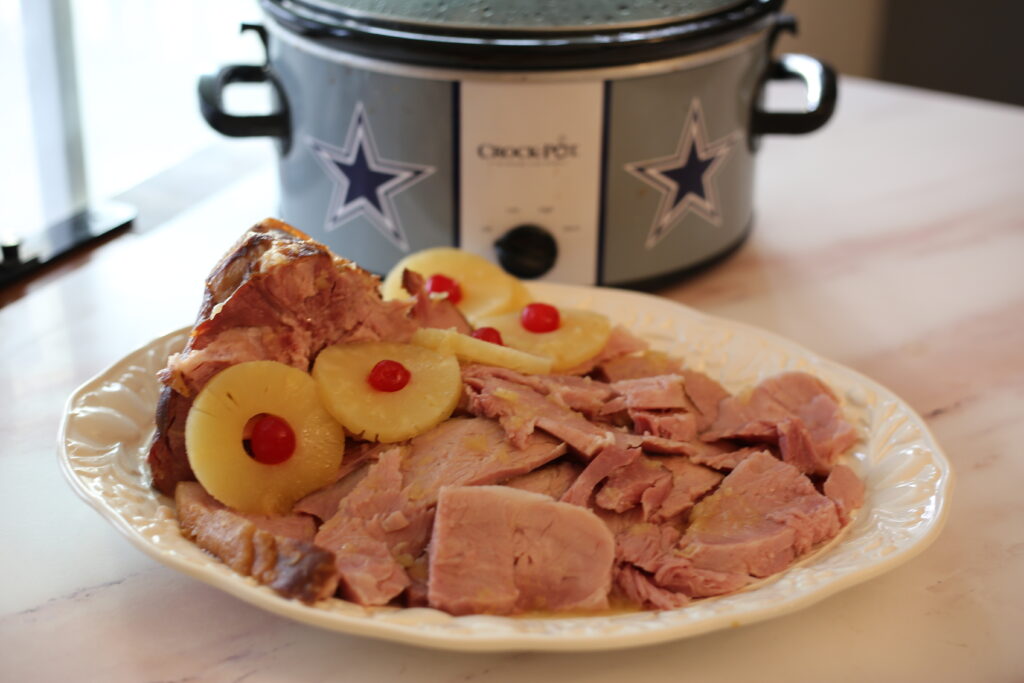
[{"x": 591, "y": 142}]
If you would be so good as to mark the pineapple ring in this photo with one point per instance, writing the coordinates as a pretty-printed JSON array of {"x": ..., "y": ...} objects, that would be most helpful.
[
  {"x": 580, "y": 337},
  {"x": 473, "y": 350},
  {"x": 215, "y": 424},
  {"x": 486, "y": 288},
  {"x": 433, "y": 391}
]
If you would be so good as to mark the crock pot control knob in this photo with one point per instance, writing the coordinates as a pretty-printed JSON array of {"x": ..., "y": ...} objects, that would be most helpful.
[{"x": 527, "y": 251}]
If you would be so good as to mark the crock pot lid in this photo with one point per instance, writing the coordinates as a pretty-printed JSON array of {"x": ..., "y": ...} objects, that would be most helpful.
[{"x": 525, "y": 15}]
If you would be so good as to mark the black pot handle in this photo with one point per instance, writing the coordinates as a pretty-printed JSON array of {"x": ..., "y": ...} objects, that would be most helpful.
[
  {"x": 211, "y": 104},
  {"x": 820, "y": 81},
  {"x": 211, "y": 100}
]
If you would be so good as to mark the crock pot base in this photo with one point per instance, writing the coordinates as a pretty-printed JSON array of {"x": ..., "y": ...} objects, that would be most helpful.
[{"x": 672, "y": 277}]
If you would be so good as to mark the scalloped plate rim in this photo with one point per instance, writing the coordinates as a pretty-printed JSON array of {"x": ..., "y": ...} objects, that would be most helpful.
[{"x": 262, "y": 597}]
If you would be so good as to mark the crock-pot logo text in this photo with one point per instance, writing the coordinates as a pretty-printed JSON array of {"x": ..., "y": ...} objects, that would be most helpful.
[
  {"x": 553, "y": 152},
  {"x": 686, "y": 179},
  {"x": 365, "y": 183}
]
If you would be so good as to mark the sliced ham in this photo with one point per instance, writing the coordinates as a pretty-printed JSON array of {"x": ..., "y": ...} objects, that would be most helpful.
[
  {"x": 639, "y": 588},
  {"x": 689, "y": 483},
  {"x": 610, "y": 459},
  {"x": 266, "y": 549},
  {"x": 498, "y": 550},
  {"x": 719, "y": 455},
  {"x": 626, "y": 485},
  {"x": 846, "y": 489},
  {"x": 663, "y": 392},
  {"x": 705, "y": 394},
  {"x": 799, "y": 450},
  {"x": 763, "y": 516},
  {"x": 581, "y": 394},
  {"x": 551, "y": 480},
  {"x": 323, "y": 503},
  {"x": 471, "y": 451},
  {"x": 358, "y": 534},
  {"x": 641, "y": 549},
  {"x": 383, "y": 525},
  {"x": 297, "y": 527},
  {"x": 638, "y": 542},
  {"x": 795, "y": 410},
  {"x": 637, "y": 365},
  {"x": 658, "y": 444},
  {"x": 671, "y": 406},
  {"x": 679, "y": 574},
  {"x": 521, "y": 409},
  {"x": 667, "y": 424},
  {"x": 664, "y": 486}
]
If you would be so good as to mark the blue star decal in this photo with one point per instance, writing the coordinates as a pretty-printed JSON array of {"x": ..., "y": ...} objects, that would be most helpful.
[
  {"x": 365, "y": 183},
  {"x": 685, "y": 178}
]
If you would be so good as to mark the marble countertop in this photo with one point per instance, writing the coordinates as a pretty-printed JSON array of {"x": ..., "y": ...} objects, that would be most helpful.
[{"x": 892, "y": 242}]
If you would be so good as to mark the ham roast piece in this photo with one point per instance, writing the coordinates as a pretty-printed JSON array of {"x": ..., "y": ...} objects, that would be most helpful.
[{"x": 276, "y": 295}]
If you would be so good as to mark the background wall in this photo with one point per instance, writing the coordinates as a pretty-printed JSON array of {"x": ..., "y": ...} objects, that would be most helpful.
[
  {"x": 970, "y": 47},
  {"x": 847, "y": 35}
]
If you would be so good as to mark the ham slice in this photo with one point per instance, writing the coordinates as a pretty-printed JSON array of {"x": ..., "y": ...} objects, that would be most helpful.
[
  {"x": 794, "y": 410},
  {"x": 609, "y": 460},
  {"x": 625, "y": 486},
  {"x": 382, "y": 526},
  {"x": 671, "y": 425},
  {"x": 662, "y": 392},
  {"x": 521, "y": 409},
  {"x": 664, "y": 486},
  {"x": 705, "y": 394},
  {"x": 718, "y": 455},
  {"x": 551, "y": 480},
  {"x": 637, "y": 365},
  {"x": 846, "y": 489},
  {"x": 365, "y": 531},
  {"x": 764, "y": 515},
  {"x": 639, "y": 587},
  {"x": 689, "y": 483},
  {"x": 581, "y": 394},
  {"x": 323, "y": 502},
  {"x": 274, "y": 551},
  {"x": 498, "y": 550}
]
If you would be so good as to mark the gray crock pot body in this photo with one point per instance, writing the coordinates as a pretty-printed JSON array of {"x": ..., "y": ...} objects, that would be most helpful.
[{"x": 611, "y": 154}]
